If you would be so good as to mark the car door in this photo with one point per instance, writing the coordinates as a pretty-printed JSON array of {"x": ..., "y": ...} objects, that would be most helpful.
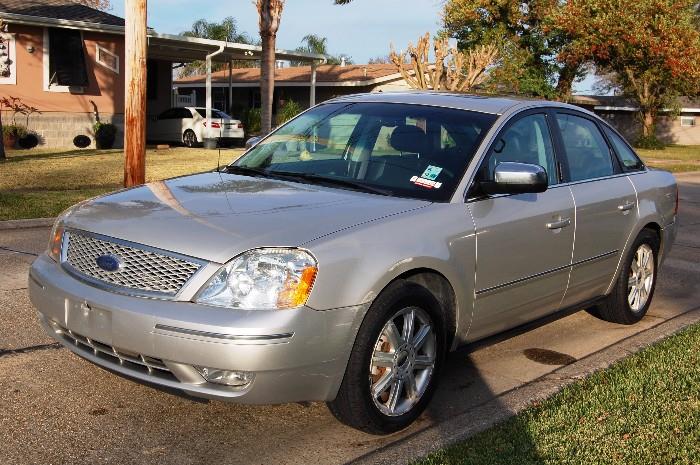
[
  {"x": 606, "y": 205},
  {"x": 523, "y": 241}
]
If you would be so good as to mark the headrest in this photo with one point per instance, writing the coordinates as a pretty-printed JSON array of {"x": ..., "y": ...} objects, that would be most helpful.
[{"x": 407, "y": 138}]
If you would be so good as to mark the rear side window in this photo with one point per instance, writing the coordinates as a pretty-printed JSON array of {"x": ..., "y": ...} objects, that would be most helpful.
[
  {"x": 587, "y": 153},
  {"x": 629, "y": 159},
  {"x": 525, "y": 141}
]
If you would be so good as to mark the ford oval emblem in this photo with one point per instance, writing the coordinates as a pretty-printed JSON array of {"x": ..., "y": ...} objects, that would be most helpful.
[{"x": 108, "y": 262}]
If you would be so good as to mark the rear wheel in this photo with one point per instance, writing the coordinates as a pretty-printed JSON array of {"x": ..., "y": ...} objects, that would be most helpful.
[
  {"x": 634, "y": 289},
  {"x": 394, "y": 365},
  {"x": 189, "y": 138}
]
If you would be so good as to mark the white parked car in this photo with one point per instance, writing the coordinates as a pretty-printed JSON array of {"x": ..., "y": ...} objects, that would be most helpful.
[{"x": 187, "y": 125}]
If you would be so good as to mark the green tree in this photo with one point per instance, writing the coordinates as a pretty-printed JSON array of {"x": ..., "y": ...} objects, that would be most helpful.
[
  {"x": 225, "y": 30},
  {"x": 652, "y": 47},
  {"x": 317, "y": 44},
  {"x": 527, "y": 42}
]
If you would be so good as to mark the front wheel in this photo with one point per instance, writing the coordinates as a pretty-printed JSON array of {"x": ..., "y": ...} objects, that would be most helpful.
[
  {"x": 631, "y": 296},
  {"x": 394, "y": 365}
]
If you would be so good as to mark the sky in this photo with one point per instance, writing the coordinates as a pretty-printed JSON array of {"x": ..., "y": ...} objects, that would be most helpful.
[{"x": 361, "y": 30}]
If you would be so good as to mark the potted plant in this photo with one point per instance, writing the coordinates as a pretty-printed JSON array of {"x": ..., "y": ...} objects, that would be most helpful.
[
  {"x": 105, "y": 133},
  {"x": 11, "y": 133}
]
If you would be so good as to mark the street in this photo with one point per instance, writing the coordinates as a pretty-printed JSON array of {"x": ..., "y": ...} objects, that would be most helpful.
[{"x": 58, "y": 408}]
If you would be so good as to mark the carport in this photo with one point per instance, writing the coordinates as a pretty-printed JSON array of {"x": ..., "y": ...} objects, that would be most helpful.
[{"x": 182, "y": 49}]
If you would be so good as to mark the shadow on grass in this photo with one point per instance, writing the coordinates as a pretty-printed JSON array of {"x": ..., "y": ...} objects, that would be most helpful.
[{"x": 13, "y": 156}]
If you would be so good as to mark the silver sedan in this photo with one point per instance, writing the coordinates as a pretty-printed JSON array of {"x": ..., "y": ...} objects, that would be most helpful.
[{"x": 342, "y": 256}]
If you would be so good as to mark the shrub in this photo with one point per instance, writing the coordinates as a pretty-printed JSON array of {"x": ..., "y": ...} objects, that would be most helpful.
[
  {"x": 288, "y": 111},
  {"x": 253, "y": 120},
  {"x": 649, "y": 142},
  {"x": 105, "y": 133},
  {"x": 29, "y": 141},
  {"x": 14, "y": 130}
]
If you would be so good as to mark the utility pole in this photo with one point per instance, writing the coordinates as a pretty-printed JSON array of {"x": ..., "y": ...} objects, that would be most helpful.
[{"x": 135, "y": 93}]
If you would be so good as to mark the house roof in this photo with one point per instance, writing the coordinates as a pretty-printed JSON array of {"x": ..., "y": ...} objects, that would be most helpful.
[
  {"x": 350, "y": 75},
  {"x": 60, "y": 10}
]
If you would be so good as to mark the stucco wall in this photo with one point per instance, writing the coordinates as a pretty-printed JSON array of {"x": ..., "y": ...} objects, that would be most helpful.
[{"x": 105, "y": 90}]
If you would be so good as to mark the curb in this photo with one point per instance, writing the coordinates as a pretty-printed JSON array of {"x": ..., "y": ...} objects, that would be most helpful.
[
  {"x": 25, "y": 224},
  {"x": 492, "y": 412}
]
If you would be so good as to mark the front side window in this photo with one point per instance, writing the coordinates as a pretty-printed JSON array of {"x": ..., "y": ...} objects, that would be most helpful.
[
  {"x": 398, "y": 149},
  {"x": 526, "y": 141},
  {"x": 587, "y": 153},
  {"x": 629, "y": 159}
]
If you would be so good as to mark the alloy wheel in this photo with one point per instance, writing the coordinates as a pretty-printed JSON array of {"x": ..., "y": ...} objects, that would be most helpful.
[
  {"x": 641, "y": 277},
  {"x": 403, "y": 361}
]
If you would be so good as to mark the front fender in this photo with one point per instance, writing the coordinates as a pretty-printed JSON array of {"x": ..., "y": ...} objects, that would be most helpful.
[{"x": 356, "y": 264}]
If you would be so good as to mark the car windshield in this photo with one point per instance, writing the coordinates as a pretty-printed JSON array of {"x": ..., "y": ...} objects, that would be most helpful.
[
  {"x": 214, "y": 113},
  {"x": 402, "y": 150}
]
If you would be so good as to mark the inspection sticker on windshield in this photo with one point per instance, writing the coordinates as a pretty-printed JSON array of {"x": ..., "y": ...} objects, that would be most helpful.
[
  {"x": 431, "y": 172},
  {"x": 427, "y": 183}
]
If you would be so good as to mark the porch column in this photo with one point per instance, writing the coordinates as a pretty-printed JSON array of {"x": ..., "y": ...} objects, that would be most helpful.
[
  {"x": 312, "y": 89},
  {"x": 230, "y": 86}
]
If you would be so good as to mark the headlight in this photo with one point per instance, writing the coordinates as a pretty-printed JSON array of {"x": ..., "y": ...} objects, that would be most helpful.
[
  {"x": 56, "y": 240},
  {"x": 262, "y": 279}
]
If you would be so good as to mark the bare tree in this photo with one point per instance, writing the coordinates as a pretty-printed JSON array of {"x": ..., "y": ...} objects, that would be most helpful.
[
  {"x": 269, "y": 16},
  {"x": 104, "y": 5},
  {"x": 451, "y": 69}
]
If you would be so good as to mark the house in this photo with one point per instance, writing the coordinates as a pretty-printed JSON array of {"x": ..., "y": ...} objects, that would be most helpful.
[
  {"x": 239, "y": 89},
  {"x": 681, "y": 126},
  {"x": 67, "y": 61}
]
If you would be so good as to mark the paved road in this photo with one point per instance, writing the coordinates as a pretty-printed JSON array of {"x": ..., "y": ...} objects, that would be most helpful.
[{"x": 56, "y": 408}]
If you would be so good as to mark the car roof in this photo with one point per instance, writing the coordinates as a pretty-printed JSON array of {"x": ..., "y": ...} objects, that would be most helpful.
[{"x": 485, "y": 104}]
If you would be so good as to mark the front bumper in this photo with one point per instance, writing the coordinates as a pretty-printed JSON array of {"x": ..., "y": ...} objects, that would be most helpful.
[{"x": 296, "y": 355}]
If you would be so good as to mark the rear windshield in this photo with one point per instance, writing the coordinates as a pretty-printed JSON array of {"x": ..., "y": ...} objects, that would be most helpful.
[
  {"x": 214, "y": 114},
  {"x": 405, "y": 150}
]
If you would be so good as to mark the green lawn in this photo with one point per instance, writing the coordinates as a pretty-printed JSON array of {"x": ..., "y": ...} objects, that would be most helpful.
[
  {"x": 643, "y": 410},
  {"x": 676, "y": 158},
  {"x": 42, "y": 183}
]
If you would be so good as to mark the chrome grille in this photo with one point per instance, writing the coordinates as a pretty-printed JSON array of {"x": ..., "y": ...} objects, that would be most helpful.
[
  {"x": 133, "y": 361},
  {"x": 143, "y": 269}
]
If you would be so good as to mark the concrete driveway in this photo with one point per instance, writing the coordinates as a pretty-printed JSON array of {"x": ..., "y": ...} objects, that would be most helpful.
[{"x": 56, "y": 408}]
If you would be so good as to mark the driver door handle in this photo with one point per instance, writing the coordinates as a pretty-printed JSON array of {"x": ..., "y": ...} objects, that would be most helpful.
[{"x": 564, "y": 222}]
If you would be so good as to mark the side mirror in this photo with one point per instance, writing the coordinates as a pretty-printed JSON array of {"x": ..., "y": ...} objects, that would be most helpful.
[
  {"x": 252, "y": 141},
  {"x": 516, "y": 178}
]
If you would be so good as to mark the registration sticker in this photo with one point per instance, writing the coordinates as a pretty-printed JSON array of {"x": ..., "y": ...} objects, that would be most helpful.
[
  {"x": 431, "y": 172},
  {"x": 427, "y": 183}
]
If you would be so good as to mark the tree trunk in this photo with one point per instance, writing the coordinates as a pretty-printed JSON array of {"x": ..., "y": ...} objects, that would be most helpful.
[
  {"x": 267, "y": 82},
  {"x": 2, "y": 140},
  {"x": 648, "y": 123},
  {"x": 566, "y": 81}
]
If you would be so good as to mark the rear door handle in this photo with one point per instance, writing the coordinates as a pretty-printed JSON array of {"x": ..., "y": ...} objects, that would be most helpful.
[
  {"x": 559, "y": 224},
  {"x": 626, "y": 206}
]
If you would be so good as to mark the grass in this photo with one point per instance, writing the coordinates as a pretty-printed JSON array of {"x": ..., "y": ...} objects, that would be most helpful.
[
  {"x": 675, "y": 158},
  {"x": 642, "y": 410},
  {"x": 42, "y": 183}
]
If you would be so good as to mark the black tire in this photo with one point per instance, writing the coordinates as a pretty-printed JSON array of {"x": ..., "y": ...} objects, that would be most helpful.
[
  {"x": 616, "y": 308},
  {"x": 189, "y": 138},
  {"x": 354, "y": 405}
]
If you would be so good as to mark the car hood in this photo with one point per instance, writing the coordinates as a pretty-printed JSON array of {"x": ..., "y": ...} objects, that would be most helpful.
[{"x": 216, "y": 216}]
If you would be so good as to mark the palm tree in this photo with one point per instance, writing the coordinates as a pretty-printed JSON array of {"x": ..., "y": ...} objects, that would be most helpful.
[
  {"x": 226, "y": 30},
  {"x": 317, "y": 44},
  {"x": 270, "y": 14}
]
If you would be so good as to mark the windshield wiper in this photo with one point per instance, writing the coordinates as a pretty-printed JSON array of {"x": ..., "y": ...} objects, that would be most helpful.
[
  {"x": 318, "y": 179},
  {"x": 245, "y": 170}
]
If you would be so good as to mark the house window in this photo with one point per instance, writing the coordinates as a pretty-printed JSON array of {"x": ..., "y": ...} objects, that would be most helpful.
[
  {"x": 8, "y": 73},
  {"x": 107, "y": 59},
  {"x": 64, "y": 61},
  {"x": 687, "y": 121}
]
